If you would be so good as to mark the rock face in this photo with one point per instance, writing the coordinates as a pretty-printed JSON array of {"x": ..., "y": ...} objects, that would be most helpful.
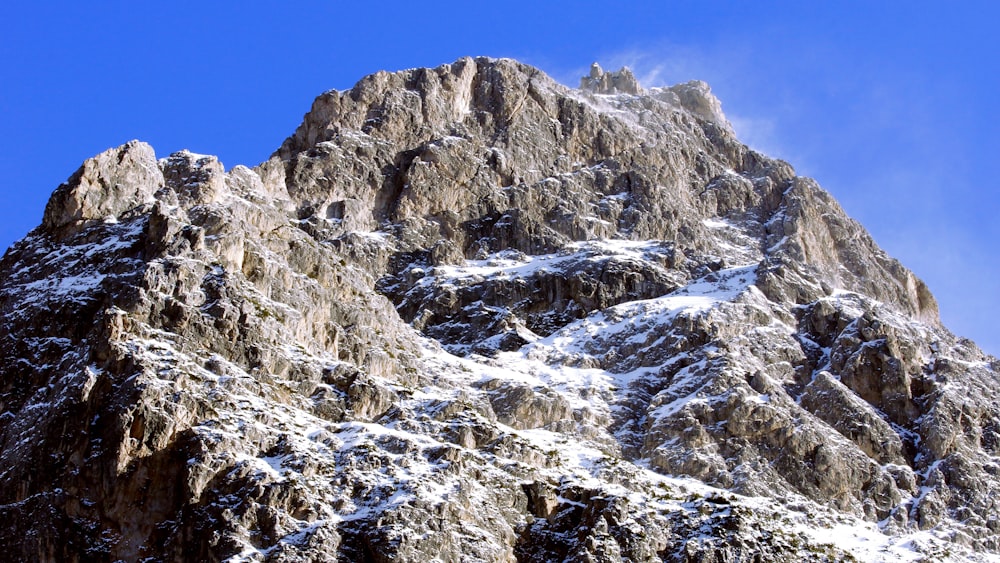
[{"x": 469, "y": 314}]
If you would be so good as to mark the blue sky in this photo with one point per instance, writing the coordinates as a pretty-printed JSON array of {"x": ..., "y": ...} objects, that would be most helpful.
[{"x": 889, "y": 105}]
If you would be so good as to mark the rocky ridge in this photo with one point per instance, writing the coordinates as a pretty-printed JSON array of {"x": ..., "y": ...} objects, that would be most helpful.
[{"x": 467, "y": 313}]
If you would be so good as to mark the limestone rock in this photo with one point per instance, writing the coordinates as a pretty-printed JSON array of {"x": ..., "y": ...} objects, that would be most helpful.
[
  {"x": 696, "y": 96},
  {"x": 196, "y": 179},
  {"x": 106, "y": 186},
  {"x": 617, "y": 82}
]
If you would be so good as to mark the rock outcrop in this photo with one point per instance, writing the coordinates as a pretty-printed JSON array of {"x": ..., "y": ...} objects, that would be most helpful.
[
  {"x": 469, "y": 314},
  {"x": 619, "y": 82}
]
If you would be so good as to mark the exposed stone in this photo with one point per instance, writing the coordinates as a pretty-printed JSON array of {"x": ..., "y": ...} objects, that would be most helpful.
[
  {"x": 106, "y": 186},
  {"x": 617, "y": 82},
  {"x": 856, "y": 419}
]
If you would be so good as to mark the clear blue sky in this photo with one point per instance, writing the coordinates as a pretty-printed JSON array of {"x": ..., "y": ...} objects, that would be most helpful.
[{"x": 889, "y": 105}]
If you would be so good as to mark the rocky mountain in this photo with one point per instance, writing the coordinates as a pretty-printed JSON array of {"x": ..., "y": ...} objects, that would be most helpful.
[{"x": 469, "y": 314}]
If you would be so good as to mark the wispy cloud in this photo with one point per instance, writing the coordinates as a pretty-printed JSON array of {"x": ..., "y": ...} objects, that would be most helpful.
[
  {"x": 878, "y": 138},
  {"x": 758, "y": 113}
]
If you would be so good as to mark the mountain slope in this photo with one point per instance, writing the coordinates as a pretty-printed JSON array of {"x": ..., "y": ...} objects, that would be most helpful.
[{"x": 467, "y": 313}]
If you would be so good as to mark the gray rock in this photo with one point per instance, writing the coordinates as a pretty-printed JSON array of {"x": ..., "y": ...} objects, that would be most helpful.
[
  {"x": 617, "y": 82},
  {"x": 467, "y": 313},
  {"x": 106, "y": 186}
]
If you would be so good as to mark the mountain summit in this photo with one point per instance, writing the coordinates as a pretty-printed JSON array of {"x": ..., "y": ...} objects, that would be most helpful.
[{"x": 469, "y": 314}]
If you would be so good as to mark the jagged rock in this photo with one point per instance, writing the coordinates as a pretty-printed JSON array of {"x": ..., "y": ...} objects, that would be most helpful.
[
  {"x": 106, "y": 186},
  {"x": 600, "y": 82},
  {"x": 467, "y": 313},
  {"x": 196, "y": 179},
  {"x": 696, "y": 97},
  {"x": 853, "y": 417}
]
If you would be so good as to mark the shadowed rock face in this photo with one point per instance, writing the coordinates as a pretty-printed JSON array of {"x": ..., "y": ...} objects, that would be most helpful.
[{"x": 471, "y": 314}]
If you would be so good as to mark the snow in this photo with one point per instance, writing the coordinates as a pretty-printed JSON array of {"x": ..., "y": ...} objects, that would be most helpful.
[
  {"x": 562, "y": 362},
  {"x": 649, "y": 314},
  {"x": 865, "y": 542},
  {"x": 717, "y": 224},
  {"x": 273, "y": 465},
  {"x": 67, "y": 286},
  {"x": 380, "y": 237},
  {"x": 78, "y": 267},
  {"x": 513, "y": 264},
  {"x": 774, "y": 247},
  {"x": 402, "y": 466}
]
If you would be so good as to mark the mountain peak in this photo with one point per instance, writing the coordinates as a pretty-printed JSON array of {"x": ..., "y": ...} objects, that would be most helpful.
[
  {"x": 617, "y": 82},
  {"x": 105, "y": 186},
  {"x": 466, "y": 312}
]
